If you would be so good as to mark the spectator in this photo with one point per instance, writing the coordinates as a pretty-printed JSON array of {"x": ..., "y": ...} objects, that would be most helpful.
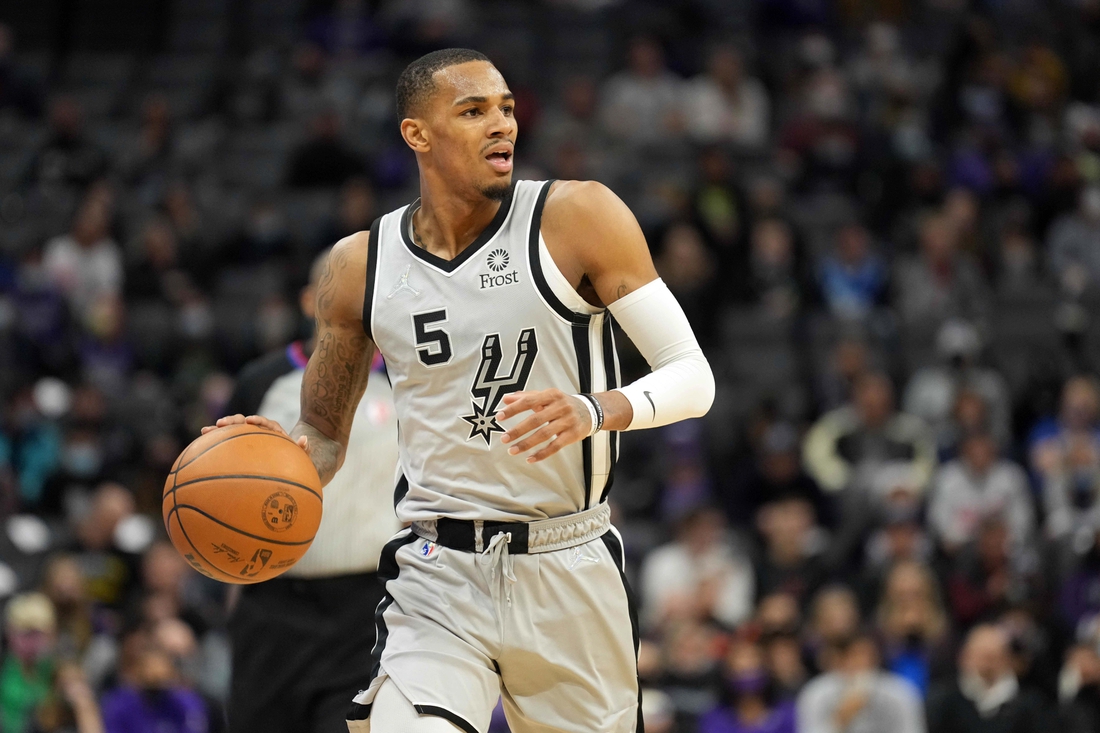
[
  {"x": 834, "y": 619},
  {"x": 933, "y": 391},
  {"x": 939, "y": 283},
  {"x": 109, "y": 571},
  {"x": 856, "y": 696},
  {"x": 1079, "y": 690},
  {"x": 986, "y": 696},
  {"x": 1079, "y": 595},
  {"x": 750, "y": 705},
  {"x": 975, "y": 486},
  {"x": 147, "y": 159},
  {"x": 775, "y": 470},
  {"x": 68, "y": 157},
  {"x": 774, "y": 278},
  {"x": 853, "y": 278},
  {"x": 720, "y": 210},
  {"x": 691, "y": 668},
  {"x": 726, "y": 106},
  {"x": 989, "y": 575},
  {"x": 688, "y": 269},
  {"x": 913, "y": 624},
  {"x": 1073, "y": 245},
  {"x": 790, "y": 562},
  {"x": 71, "y": 706},
  {"x": 642, "y": 104},
  {"x": 778, "y": 619},
  {"x": 699, "y": 576},
  {"x": 324, "y": 159},
  {"x": 900, "y": 539},
  {"x": 26, "y": 674},
  {"x": 86, "y": 263},
  {"x": 356, "y": 211},
  {"x": 865, "y": 433},
  {"x": 1071, "y": 441},
  {"x": 151, "y": 696}
]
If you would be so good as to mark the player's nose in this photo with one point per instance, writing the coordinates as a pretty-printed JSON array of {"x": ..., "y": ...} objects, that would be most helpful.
[{"x": 500, "y": 124}]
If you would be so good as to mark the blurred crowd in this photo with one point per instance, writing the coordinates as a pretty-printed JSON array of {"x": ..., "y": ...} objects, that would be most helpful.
[{"x": 882, "y": 218}]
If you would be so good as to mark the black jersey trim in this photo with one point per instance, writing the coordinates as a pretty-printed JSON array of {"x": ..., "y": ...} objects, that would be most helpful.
[
  {"x": 372, "y": 275},
  {"x": 615, "y": 547},
  {"x": 482, "y": 239},
  {"x": 583, "y": 346},
  {"x": 611, "y": 373},
  {"x": 535, "y": 262},
  {"x": 388, "y": 570},
  {"x": 446, "y": 714},
  {"x": 400, "y": 490}
]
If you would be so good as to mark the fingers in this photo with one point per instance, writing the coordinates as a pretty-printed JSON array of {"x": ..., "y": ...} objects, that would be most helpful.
[
  {"x": 518, "y": 402},
  {"x": 556, "y": 445},
  {"x": 543, "y": 434},
  {"x": 303, "y": 443},
  {"x": 239, "y": 419}
]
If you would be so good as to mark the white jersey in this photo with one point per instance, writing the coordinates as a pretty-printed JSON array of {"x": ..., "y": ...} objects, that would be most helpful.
[{"x": 457, "y": 335}]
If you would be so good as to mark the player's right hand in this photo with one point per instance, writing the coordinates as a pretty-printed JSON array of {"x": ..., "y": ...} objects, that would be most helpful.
[{"x": 258, "y": 421}]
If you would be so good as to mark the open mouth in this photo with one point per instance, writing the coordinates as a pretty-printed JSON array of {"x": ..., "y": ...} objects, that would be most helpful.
[{"x": 501, "y": 160}]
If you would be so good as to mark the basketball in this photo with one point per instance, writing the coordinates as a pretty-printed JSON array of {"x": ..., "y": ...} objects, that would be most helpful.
[{"x": 242, "y": 504}]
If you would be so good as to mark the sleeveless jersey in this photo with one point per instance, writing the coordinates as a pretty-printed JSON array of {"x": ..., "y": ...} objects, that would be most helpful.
[{"x": 457, "y": 335}]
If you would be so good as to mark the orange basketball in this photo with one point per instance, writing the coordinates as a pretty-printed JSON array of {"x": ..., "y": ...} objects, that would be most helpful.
[{"x": 242, "y": 504}]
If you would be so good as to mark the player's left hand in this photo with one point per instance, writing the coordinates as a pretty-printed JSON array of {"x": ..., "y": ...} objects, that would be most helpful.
[{"x": 558, "y": 417}]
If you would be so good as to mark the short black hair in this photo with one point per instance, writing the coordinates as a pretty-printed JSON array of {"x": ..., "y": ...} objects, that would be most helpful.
[{"x": 415, "y": 82}]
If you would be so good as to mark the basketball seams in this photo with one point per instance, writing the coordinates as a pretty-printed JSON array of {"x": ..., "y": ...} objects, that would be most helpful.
[
  {"x": 187, "y": 537},
  {"x": 286, "y": 543},
  {"x": 249, "y": 476},
  {"x": 180, "y": 466}
]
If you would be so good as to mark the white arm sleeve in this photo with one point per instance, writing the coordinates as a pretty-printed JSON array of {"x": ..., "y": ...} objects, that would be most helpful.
[{"x": 681, "y": 384}]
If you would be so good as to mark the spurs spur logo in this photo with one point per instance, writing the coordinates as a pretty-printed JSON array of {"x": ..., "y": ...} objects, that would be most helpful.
[{"x": 490, "y": 387}]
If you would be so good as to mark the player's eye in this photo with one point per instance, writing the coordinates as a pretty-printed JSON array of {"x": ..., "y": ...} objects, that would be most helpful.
[
  {"x": 473, "y": 112},
  {"x": 507, "y": 109}
]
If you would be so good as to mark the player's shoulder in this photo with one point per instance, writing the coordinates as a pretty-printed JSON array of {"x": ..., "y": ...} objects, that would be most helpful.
[
  {"x": 574, "y": 208},
  {"x": 580, "y": 197}
]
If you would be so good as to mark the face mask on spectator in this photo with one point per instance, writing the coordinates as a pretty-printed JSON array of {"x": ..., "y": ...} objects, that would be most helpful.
[{"x": 749, "y": 683}]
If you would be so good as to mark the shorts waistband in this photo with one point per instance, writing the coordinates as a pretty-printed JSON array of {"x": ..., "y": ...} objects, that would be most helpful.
[{"x": 543, "y": 535}]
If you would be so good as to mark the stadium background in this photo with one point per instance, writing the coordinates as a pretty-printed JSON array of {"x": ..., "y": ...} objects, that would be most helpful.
[{"x": 883, "y": 219}]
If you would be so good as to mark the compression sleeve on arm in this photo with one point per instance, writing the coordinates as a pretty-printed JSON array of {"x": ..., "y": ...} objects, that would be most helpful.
[{"x": 681, "y": 384}]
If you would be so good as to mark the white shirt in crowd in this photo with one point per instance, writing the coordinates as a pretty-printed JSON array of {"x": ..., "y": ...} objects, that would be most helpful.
[
  {"x": 962, "y": 499},
  {"x": 84, "y": 274},
  {"x": 672, "y": 573}
]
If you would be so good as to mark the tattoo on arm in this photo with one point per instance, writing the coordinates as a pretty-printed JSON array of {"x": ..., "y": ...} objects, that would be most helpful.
[
  {"x": 621, "y": 291},
  {"x": 337, "y": 373}
]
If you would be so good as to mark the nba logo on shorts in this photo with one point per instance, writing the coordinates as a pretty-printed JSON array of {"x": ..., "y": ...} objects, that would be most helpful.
[{"x": 427, "y": 549}]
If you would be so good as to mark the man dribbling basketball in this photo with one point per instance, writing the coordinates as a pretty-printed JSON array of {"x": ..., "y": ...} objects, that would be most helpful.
[{"x": 491, "y": 301}]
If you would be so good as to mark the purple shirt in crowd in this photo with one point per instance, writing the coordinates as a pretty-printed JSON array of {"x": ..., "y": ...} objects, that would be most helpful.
[
  {"x": 724, "y": 720},
  {"x": 127, "y": 710}
]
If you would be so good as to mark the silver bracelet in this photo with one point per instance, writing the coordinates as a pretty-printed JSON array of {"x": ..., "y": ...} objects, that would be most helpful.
[
  {"x": 591, "y": 413},
  {"x": 597, "y": 412}
]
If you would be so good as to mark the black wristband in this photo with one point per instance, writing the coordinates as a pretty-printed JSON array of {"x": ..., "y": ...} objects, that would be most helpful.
[{"x": 599, "y": 411}]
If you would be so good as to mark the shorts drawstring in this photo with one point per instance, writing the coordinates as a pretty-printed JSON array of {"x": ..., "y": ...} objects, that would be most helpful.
[{"x": 497, "y": 554}]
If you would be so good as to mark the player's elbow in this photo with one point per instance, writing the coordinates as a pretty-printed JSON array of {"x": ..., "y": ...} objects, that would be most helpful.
[{"x": 702, "y": 393}]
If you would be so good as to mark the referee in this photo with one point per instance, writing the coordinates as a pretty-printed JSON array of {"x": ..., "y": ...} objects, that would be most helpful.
[{"x": 302, "y": 641}]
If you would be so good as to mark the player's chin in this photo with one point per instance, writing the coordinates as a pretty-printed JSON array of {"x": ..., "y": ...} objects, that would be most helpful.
[{"x": 497, "y": 190}]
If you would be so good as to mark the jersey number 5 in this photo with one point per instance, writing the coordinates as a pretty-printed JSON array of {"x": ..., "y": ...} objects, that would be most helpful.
[{"x": 435, "y": 342}]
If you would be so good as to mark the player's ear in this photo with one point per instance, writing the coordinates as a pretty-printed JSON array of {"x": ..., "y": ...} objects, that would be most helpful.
[{"x": 416, "y": 135}]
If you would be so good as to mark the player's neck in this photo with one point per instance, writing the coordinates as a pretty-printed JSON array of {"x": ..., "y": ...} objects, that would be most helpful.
[{"x": 447, "y": 223}]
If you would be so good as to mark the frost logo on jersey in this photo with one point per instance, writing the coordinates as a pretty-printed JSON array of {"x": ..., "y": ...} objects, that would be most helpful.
[
  {"x": 498, "y": 261},
  {"x": 490, "y": 387}
]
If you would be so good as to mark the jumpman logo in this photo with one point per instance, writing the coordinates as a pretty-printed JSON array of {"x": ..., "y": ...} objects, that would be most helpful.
[
  {"x": 490, "y": 387},
  {"x": 403, "y": 285},
  {"x": 579, "y": 556}
]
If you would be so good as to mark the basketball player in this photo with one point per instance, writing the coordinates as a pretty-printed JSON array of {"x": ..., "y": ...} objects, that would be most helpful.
[
  {"x": 300, "y": 647},
  {"x": 491, "y": 301}
]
